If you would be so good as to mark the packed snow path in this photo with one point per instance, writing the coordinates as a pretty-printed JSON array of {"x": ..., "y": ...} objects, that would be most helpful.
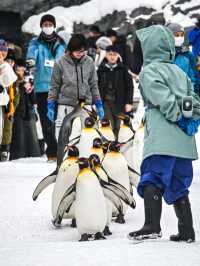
[{"x": 28, "y": 238}]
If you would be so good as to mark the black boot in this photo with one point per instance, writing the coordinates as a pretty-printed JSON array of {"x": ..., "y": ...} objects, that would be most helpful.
[
  {"x": 153, "y": 209},
  {"x": 185, "y": 223}
]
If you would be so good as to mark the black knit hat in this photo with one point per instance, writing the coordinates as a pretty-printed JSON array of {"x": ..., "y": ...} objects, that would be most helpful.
[
  {"x": 77, "y": 42},
  {"x": 112, "y": 48},
  {"x": 48, "y": 17}
]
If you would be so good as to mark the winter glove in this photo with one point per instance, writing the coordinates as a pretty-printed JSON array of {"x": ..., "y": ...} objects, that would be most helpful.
[
  {"x": 99, "y": 106},
  {"x": 188, "y": 125},
  {"x": 51, "y": 110}
]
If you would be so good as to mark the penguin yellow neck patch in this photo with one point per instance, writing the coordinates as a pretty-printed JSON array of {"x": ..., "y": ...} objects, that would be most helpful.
[{"x": 84, "y": 173}]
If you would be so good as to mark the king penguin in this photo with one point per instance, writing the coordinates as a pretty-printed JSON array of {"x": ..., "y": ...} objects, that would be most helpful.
[
  {"x": 116, "y": 166},
  {"x": 88, "y": 134},
  {"x": 105, "y": 130},
  {"x": 90, "y": 204},
  {"x": 97, "y": 148},
  {"x": 67, "y": 174}
]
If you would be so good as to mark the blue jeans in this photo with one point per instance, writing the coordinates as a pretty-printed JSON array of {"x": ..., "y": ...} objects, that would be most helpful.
[{"x": 172, "y": 175}]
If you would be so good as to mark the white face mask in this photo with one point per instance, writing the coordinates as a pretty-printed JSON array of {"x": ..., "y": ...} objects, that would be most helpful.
[
  {"x": 48, "y": 30},
  {"x": 179, "y": 41}
]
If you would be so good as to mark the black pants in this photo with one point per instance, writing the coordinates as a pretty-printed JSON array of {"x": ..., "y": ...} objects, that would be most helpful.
[
  {"x": 48, "y": 128},
  {"x": 111, "y": 112}
]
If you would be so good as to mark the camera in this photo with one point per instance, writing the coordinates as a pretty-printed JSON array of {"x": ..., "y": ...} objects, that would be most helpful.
[{"x": 187, "y": 106}]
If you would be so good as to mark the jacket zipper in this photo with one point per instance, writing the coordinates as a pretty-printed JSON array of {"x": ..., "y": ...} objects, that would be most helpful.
[{"x": 77, "y": 80}]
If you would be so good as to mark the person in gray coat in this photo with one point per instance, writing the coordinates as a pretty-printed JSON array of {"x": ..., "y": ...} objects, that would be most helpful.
[{"x": 74, "y": 78}]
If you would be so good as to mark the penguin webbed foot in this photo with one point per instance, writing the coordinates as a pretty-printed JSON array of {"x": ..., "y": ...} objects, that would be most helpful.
[
  {"x": 99, "y": 236},
  {"x": 57, "y": 222},
  {"x": 84, "y": 237},
  {"x": 107, "y": 231},
  {"x": 73, "y": 224},
  {"x": 120, "y": 219}
]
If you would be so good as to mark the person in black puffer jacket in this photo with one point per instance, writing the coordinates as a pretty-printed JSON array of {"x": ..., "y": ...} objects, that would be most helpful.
[{"x": 115, "y": 87}]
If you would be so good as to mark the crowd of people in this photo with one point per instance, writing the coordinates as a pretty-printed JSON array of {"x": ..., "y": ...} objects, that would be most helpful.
[{"x": 60, "y": 70}]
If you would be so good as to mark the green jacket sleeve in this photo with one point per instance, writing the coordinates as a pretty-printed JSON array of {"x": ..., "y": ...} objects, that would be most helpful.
[{"x": 157, "y": 94}]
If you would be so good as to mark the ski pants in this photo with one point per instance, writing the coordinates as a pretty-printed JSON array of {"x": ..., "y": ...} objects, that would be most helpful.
[{"x": 173, "y": 175}]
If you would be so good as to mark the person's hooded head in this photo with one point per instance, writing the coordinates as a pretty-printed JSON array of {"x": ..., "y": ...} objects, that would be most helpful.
[
  {"x": 77, "y": 46},
  {"x": 103, "y": 42},
  {"x": 178, "y": 32},
  {"x": 157, "y": 44},
  {"x": 48, "y": 24}
]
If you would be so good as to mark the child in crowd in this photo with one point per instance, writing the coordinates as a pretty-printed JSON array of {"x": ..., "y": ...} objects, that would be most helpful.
[{"x": 115, "y": 87}]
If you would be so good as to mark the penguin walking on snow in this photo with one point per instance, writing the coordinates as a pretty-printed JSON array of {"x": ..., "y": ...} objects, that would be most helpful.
[
  {"x": 90, "y": 204},
  {"x": 113, "y": 191},
  {"x": 126, "y": 138},
  {"x": 67, "y": 174},
  {"x": 116, "y": 166}
]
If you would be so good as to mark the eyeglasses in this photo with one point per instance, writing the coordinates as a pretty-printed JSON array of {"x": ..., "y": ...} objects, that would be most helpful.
[{"x": 79, "y": 51}]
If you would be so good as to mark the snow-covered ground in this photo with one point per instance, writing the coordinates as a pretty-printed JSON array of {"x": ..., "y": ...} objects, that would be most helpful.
[{"x": 27, "y": 237}]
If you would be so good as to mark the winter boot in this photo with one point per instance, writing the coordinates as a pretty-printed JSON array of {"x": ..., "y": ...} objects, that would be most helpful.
[
  {"x": 153, "y": 209},
  {"x": 185, "y": 223}
]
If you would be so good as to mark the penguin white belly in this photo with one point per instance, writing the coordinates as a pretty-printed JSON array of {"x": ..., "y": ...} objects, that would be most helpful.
[
  {"x": 109, "y": 205},
  {"x": 107, "y": 133},
  {"x": 86, "y": 141},
  {"x": 116, "y": 166},
  {"x": 137, "y": 153},
  {"x": 66, "y": 177},
  {"x": 90, "y": 204}
]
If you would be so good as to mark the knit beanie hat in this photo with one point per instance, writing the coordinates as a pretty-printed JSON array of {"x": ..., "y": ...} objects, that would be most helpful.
[
  {"x": 103, "y": 42},
  {"x": 77, "y": 42},
  {"x": 112, "y": 48},
  {"x": 3, "y": 45},
  {"x": 175, "y": 27},
  {"x": 48, "y": 17}
]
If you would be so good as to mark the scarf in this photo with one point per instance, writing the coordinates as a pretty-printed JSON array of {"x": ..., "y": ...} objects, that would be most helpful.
[{"x": 49, "y": 40}]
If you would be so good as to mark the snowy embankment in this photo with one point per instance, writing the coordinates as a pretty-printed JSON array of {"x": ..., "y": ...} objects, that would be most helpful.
[
  {"x": 27, "y": 237},
  {"x": 94, "y": 10}
]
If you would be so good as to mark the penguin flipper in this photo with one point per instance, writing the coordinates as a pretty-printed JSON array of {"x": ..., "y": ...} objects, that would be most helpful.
[
  {"x": 113, "y": 198},
  {"x": 65, "y": 203},
  {"x": 48, "y": 180},
  {"x": 120, "y": 192}
]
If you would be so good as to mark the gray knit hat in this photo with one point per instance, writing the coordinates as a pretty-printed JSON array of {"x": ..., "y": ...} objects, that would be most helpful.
[{"x": 174, "y": 27}]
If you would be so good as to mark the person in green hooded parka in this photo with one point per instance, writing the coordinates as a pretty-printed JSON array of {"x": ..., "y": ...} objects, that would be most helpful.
[{"x": 169, "y": 142}]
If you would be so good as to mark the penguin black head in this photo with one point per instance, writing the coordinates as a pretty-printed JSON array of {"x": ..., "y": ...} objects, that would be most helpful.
[
  {"x": 73, "y": 151},
  {"x": 105, "y": 122},
  {"x": 94, "y": 160},
  {"x": 105, "y": 146},
  {"x": 97, "y": 143},
  {"x": 81, "y": 102},
  {"x": 114, "y": 146},
  {"x": 89, "y": 122},
  {"x": 83, "y": 163},
  {"x": 127, "y": 120}
]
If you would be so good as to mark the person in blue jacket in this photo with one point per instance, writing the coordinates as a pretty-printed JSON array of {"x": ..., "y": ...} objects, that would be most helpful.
[
  {"x": 183, "y": 57},
  {"x": 42, "y": 53},
  {"x": 194, "y": 40}
]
